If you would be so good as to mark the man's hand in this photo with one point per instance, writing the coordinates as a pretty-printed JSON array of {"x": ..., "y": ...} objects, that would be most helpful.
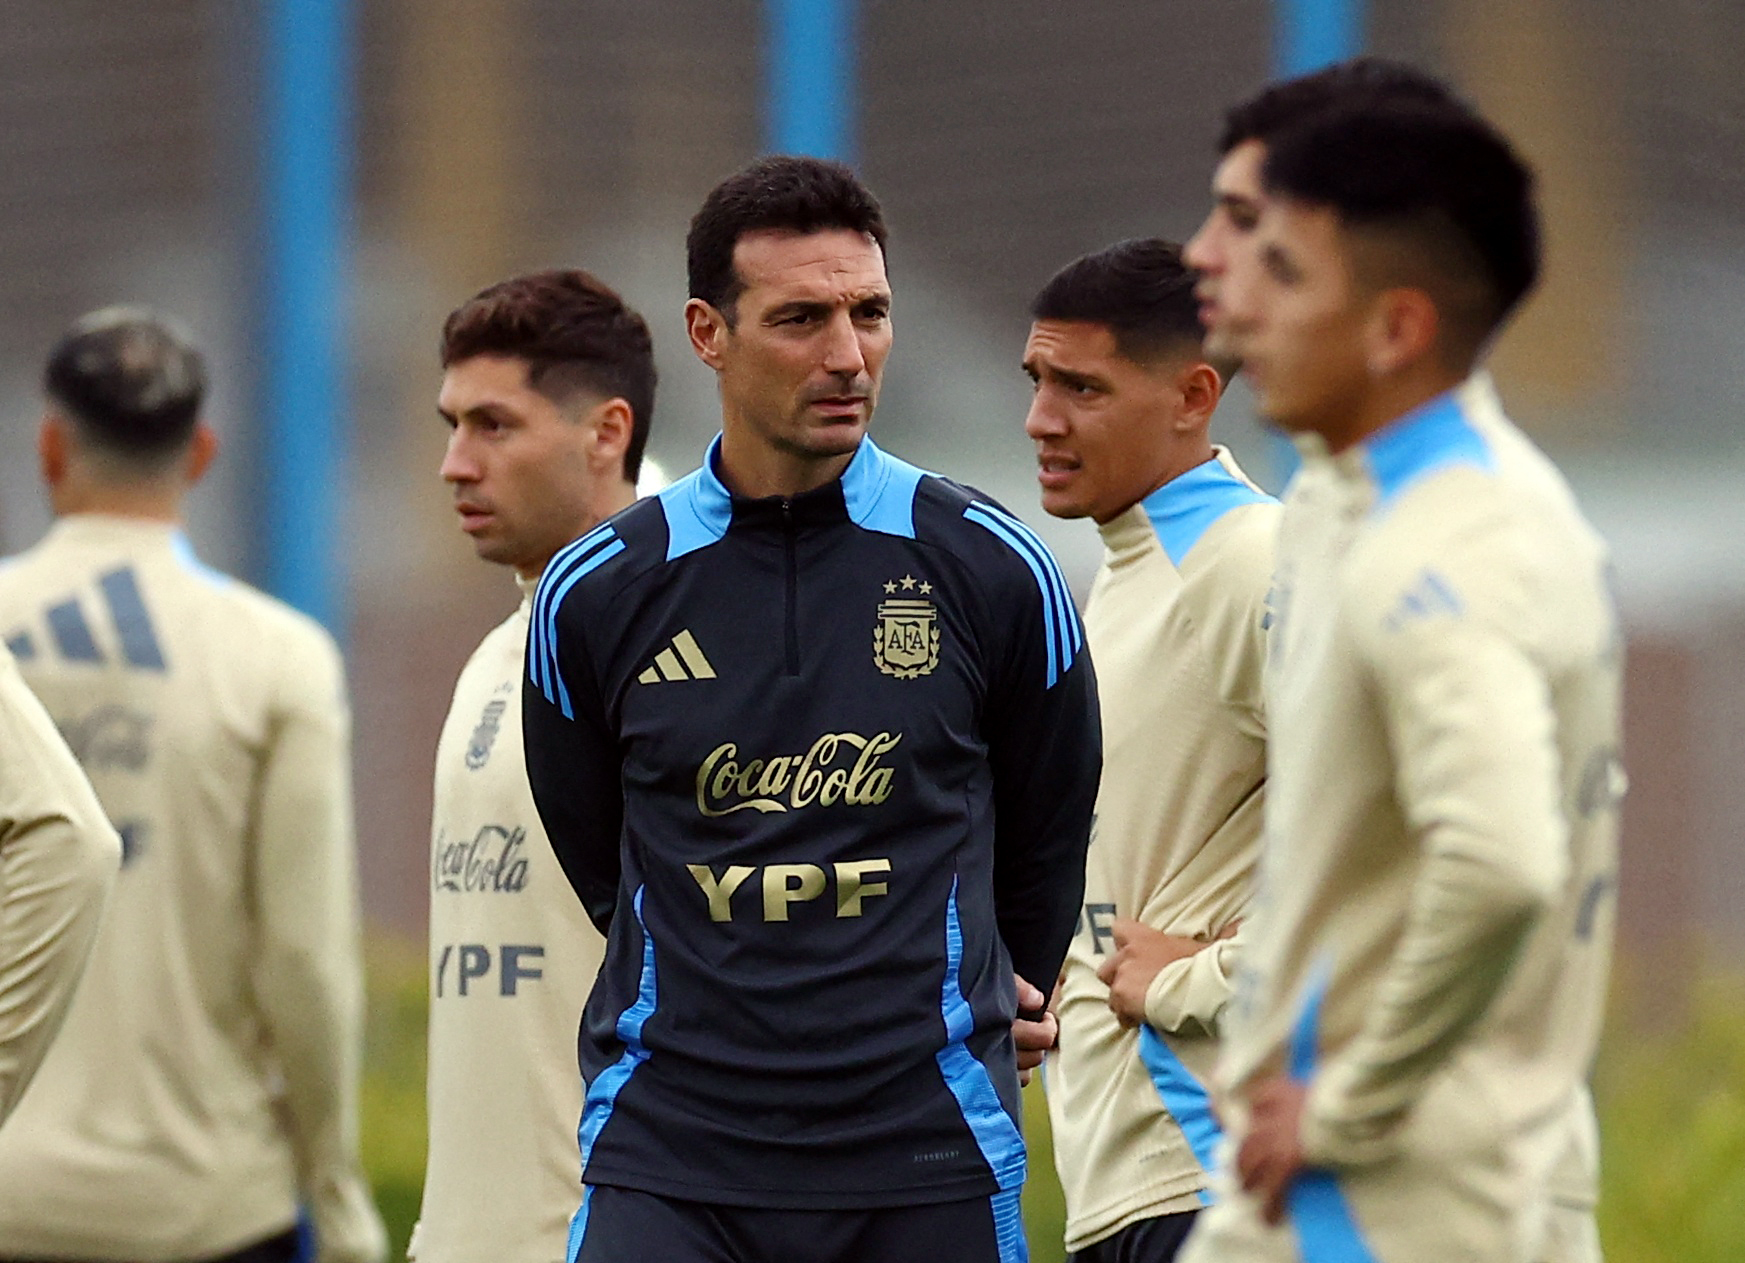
[
  {"x": 1034, "y": 1039},
  {"x": 1140, "y": 955},
  {"x": 1272, "y": 1153}
]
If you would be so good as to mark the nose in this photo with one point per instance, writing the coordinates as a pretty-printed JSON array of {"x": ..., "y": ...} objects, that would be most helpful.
[
  {"x": 1044, "y": 421},
  {"x": 458, "y": 464},
  {"x": 1201, "y": 253},
  {"x": 843, "y": 354}
]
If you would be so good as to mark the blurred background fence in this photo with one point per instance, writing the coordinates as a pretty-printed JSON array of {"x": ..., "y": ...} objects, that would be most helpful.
[{"x": 313, "y": 184}]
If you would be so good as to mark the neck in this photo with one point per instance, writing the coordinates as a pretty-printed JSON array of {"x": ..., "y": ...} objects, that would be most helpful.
[
  {"x": 148, "y": 501},
  {"x": 1182, "y": 457},
  {"x": 755, "y": 468},
  {"x": 1388, "y": 400},
  {"x": 611, "y": 498}
]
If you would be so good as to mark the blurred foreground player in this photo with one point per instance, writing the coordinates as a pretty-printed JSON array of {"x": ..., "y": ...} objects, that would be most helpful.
[
  {"x": 58, "y": 859},
  {"x": 1177, "y": 625},
  {"x": 1424, "y": 990},
  {"x": 1237, "y": 196},
  {"x": 846, "y": 709},
  {"x": 547, "y": 389},
  {"x": 206, "y": 1081}
]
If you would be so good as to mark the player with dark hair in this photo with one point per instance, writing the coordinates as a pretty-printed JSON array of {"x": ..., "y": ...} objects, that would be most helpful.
[
  {"x": 1250, "y": 124},
  {"x": 206, "y": 1082},
  {"x": 1423, "y": 991},
  {"x": 814, "y": 735},
  {"x": 548, "y": 388},
  {"x": 1176, "y": 621}
]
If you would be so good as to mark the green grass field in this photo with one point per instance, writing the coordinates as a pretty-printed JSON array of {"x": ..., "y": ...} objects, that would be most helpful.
[{"x": 1672, "y": 1112}]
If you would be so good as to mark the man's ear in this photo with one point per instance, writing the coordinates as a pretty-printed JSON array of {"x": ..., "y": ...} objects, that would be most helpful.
[
  {"x": 53, "y": 448},
  {"x": 1402, "y": 329},
  {"x": 612, "y": 422},
  {"x": 202, "y": 451},
  {"x": 707, "y": 329},
  {"x": 1201, "y": 388}
]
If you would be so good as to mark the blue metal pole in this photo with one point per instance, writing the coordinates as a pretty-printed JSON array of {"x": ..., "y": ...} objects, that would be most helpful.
[
  {"x": 304, "y": 295},
  {"x": 1310, "y": 34},
  {"x": 810, "y": 78}
]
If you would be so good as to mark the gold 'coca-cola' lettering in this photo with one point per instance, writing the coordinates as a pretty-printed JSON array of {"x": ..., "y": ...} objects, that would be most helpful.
[{"x": 840, "y": 767}]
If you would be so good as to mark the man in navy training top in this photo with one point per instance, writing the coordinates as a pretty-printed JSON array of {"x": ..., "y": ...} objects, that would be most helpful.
[{"x": 815, "y": 738}]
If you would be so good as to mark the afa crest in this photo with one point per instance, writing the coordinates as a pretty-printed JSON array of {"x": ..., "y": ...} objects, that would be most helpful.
[
  {"x": 906, "y": 637},
  {"x": 485, "y": 735}
]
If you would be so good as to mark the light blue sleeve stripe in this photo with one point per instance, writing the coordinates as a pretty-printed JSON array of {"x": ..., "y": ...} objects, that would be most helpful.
[
  {"x": 1051, "y": 627},
  {"x": 1008, "y": 1211},
  {"x": 554, "y": 571},
  {"x": 1063, "y": 606},
  {"x": 1325, "y": 1228},
  {"x": 996, "y": 1135},
  {"x": 1186, "y": 1099},
  {"x": 578, "y": 1226},
  {"x": 603, "y": 1091},
  {"x": 1063, "y": 636},
  {"x": 548, "y": 643}
]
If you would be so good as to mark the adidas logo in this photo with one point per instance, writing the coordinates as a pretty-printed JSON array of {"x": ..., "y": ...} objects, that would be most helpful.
[
  {"x": 681, "y": 660},
  {"x": 1430, "y": 596}
]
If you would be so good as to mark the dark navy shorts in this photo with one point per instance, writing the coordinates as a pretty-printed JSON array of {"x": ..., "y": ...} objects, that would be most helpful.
[
  {"x": 621, "y": 1225},
  {"x": 1149, "y": 1241}
]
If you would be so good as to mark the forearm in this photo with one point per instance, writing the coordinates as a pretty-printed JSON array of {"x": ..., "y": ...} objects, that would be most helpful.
[
  {"x": 55, "y": 877},
  {"x": 1467, "y": 922},
  {"x": 1188, "y": 996}
]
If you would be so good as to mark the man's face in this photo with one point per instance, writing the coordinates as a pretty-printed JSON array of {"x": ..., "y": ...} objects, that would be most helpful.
[
  {"x": 1303, "y": 316},
  {"x": 525, "y": 470},
  {"x": 1102, "y": 424},
  {"x": 801, "y": 364},
  {"x": 1225, "y": 239}
]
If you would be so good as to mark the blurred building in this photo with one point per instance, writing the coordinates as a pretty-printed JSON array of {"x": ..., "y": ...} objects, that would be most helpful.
[{"x": 497, "y": 135}]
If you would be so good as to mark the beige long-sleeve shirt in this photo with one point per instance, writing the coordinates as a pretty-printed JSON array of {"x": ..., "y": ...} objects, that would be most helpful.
[
  {"x": 1436, "y": 902},
  {"x": 512, "y": 958},
  {"x": 1176, "y": 625},
  {"x": 206, "y": 1079},
  {"x": 58, "y": 859}
]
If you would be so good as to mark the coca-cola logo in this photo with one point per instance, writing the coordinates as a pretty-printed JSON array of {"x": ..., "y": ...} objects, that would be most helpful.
[{"x": 492, "y": 860}]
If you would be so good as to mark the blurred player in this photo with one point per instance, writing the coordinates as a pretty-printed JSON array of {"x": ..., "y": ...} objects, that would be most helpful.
[
  {"x": 1236, "y": 190},
  {"x": 548, "y": 389},
  {"x": 58, "y": 858},
  {"x": 1176, "y": 623},
  {"x": 1423, "y": 990},
  {"x": 844, "y": 707},
  {"x": 206, "y": 1081}
]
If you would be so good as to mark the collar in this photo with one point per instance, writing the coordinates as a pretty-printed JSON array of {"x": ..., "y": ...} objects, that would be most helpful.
[
  {"x": 876, "y": 492},
  {"x": 1179, "y": 513},
  {"x": 115, "y": 528}
]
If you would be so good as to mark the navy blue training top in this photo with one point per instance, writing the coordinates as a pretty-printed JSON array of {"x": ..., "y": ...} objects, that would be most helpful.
[{"x": 822, "y": 769}]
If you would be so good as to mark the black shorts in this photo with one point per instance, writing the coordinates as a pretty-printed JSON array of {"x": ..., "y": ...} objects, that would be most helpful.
[
  {"x": 621, "y": 1225},
  {"x": 1148, "y": 1241}
]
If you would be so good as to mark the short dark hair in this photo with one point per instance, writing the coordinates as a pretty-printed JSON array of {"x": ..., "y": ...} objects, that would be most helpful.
[
  {"x": 1447, "y": 186},
  {"x": 1291, "y": 101},
  {"x": 784, "y": 192},
  {"x": 1140, "y": 289},
  {"x": 575, "y": 334},
  {"x": 130, "y": 380}
]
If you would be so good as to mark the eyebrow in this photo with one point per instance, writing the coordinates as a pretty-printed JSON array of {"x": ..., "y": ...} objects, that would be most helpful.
[{"x": 1038, "y": 369}]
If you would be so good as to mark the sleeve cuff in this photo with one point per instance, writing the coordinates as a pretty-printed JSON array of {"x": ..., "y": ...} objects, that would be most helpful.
[
  {"x": 1189, "y": 996},
  {"x": 1332, "y": 1136}
]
